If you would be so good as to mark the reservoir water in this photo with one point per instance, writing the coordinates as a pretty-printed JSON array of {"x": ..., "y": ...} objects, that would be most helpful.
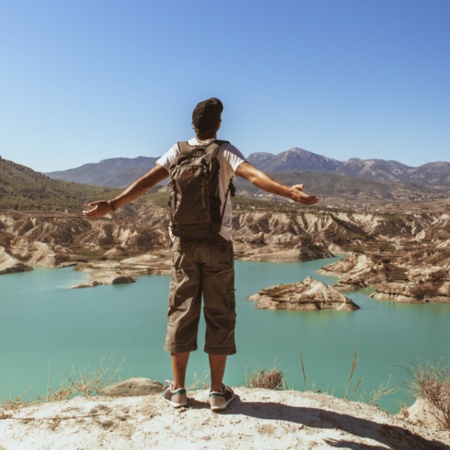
[{"x": 47, "y": 330}]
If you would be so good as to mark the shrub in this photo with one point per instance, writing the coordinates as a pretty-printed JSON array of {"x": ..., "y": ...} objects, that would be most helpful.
[
  {"x": 432, "y": 383},
  {"x": 273, "y": 379}
]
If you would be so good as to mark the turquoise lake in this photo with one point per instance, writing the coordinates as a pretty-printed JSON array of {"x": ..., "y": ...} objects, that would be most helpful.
[{"x": 47, "y": 330}]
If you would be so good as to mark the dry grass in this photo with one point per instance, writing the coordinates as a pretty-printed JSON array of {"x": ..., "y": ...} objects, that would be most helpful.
[
  {"x": 349, "y": 394},
  {"x": 352, "y": 371},
  {"x": 87, "y": 383},
  {"x": 431, "y": 381},
  {"x": 272, "y": 379},
  {"x": 199, "y": 382},
  {"x": 382, "y": 391}
]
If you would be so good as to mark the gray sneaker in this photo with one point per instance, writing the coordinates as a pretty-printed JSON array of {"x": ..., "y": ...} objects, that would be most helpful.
[
  {"x": 177, "y": 398},
  {"x": 220, "y": 400}
]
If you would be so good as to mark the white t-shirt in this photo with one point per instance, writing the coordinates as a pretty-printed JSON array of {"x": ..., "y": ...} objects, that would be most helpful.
[{"x": 230, "y": 158}]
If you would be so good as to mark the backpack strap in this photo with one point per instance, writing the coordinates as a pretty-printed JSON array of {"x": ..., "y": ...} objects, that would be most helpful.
[
  {"x": 231, "y": 188},
  {"x": 184, "y": 147}
]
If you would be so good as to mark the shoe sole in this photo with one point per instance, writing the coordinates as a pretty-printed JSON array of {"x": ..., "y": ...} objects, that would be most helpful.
[{"x": 175, "y": 405}]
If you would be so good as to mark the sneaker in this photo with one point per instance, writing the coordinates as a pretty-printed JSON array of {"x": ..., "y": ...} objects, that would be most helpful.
[
  {"x": 220, "y": 400},
  {"x": 177, "y": 398}
]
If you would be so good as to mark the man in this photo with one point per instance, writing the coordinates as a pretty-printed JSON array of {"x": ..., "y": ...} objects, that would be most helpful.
[{"x": 202, "y": 267}]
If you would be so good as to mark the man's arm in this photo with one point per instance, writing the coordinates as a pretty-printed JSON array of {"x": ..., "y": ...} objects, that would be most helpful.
[
  {"x": 134, "y": 191},
  {"x": 269, "y": 184}
]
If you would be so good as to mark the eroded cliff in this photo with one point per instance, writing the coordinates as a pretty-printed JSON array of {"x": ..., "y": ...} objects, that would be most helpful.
[{"x": 405, "y": 256}]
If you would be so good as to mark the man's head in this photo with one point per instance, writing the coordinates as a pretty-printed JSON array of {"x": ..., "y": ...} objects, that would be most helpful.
[{"x": 206, "y": 118}]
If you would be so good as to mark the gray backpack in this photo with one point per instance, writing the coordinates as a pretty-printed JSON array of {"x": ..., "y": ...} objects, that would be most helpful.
[{"x": 196, "y": 211}]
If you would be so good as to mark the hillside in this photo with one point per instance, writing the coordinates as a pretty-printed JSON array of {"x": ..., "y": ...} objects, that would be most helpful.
[
  {"x": 23, "y": 188},
  {"x": 114, "y": 172},
  {"x": 345, "y": 192}
]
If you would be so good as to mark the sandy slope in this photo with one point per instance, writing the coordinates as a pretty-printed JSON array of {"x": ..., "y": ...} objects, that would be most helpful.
[{"x": 257, "y": 419}]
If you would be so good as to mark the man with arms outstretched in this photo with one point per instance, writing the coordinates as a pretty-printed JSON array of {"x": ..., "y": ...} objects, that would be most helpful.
[{"x": 202, "y": 268}]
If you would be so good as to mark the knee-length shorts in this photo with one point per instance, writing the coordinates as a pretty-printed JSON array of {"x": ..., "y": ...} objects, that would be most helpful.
[{"x": 201, "y": 269}]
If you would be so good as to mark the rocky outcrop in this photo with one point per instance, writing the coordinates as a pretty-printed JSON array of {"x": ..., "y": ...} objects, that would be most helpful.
[
  {"x": 39, "y": 253},
  {"x": 407, "y": 278},
  {"x": 414, "y": 292},
  {"x": 279, "y": 236},
  {"x": 133, "y": 387},
  {"x": 58, "y": 239},
  {"x": 126, "y": 270},
  {"x": 8, "y": 264},
  {"x": 357, "y": 271},
  {"x": 309, "y": 295},
  {"x": 425, "y": 414}
]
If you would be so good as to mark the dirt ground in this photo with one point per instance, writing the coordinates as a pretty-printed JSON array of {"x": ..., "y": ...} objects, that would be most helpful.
[{"x": 257, "y": 419}]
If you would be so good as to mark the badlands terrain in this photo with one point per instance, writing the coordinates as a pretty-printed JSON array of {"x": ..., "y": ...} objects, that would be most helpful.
[
  {"x": 390, "y": 221},
  {"x": 401, "y": 250}
]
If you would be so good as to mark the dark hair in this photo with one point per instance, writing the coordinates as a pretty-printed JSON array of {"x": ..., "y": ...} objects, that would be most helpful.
[
  {"x": 203, "y": 135},
  {"x": 206, "y": 116}
]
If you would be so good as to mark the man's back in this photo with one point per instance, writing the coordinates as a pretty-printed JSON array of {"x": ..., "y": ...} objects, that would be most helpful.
[{"x": 228, "y": 158}]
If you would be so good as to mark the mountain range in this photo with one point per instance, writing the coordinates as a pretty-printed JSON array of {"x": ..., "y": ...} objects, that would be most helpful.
[
  {"x": 366, "y": 183},
  {"x": 120, "y": 172}
]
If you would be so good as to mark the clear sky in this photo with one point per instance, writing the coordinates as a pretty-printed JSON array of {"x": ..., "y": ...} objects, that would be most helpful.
[{"x": 86, "y": 80}]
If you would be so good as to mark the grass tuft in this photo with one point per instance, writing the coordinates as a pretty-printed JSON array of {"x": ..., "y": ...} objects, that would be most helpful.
[
  {"x": 87, "y": 383},
  {"x": 273, "y": 379},
  {"x": 352, "y": 371},
  {"x": 431, "y": 382}
]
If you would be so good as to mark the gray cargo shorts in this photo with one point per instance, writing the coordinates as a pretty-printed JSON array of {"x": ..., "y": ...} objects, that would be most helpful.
[{"x": 201, "y": 268}]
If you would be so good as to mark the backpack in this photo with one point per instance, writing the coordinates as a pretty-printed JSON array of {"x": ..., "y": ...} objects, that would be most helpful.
[{"x": 195, "y": 207}]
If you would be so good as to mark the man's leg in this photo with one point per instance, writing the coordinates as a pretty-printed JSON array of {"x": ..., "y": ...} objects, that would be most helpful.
[
  {"x": 175, "y": 393},
  {"x": 217, "y": 367},
  {"x": 220, "y": 396},
  {"x": 184, "y": 309},
  {"x": 179, "y": 366},
  {"x": 219, "y": 308}
]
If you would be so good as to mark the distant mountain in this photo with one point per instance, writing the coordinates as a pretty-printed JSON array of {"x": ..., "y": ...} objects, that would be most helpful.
[
  {"x": 294, "y": 159},
  {"x": 433, "y": 175},
  {"x": 120, "y": 172},
  {"x": 375, "y": 169},
  {"x": 114, "y": 172},
  {"x": 23, "y": 188}
]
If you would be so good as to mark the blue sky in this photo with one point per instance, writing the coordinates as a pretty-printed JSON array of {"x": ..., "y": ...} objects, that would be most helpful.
[{"x": 86, "y": 80}]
